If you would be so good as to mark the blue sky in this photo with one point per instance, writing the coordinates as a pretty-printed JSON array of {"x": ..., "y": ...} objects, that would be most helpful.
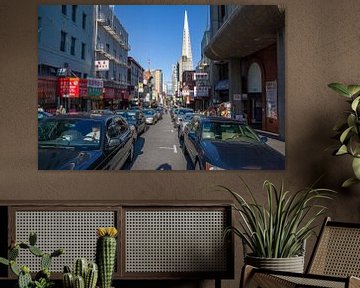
[{"x": 155, "y": 32}]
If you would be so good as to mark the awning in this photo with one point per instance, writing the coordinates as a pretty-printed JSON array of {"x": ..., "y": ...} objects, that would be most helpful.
[
  {"x": 248, "y": 29},
  {"x": 222, "y": 85}
]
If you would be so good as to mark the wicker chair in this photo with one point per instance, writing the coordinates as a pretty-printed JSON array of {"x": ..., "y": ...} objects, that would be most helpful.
[{"x": 335, "y": 262}]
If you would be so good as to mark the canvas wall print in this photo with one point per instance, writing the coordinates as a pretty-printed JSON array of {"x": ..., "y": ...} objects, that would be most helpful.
[{"x": 161, "y": 87}]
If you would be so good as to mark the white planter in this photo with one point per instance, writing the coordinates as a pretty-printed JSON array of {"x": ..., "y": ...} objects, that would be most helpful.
[{"x": 291, "y": 264}]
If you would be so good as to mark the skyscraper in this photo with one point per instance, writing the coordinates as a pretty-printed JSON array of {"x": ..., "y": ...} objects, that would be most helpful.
[{"x": 185, "y": 62}]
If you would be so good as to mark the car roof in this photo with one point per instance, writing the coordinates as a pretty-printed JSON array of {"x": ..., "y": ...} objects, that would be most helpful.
[
  {"x": 84, "y": 115},
  {"x": 220, "y": 119}
]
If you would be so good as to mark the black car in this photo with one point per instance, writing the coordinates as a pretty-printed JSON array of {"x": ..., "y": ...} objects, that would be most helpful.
[
  {"x": 134, "y": 117},
  {"x": 180, "y": 114},
  {"x": 43, "y": 114},
  {"x": 219, "y": 143},
  {"x": 84, "y": 141}
]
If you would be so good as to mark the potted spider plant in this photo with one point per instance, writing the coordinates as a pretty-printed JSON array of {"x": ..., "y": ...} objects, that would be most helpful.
[{"x": 274, "y": 234}]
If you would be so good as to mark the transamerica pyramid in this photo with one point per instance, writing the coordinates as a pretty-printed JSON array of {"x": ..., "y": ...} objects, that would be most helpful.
[{"x": 186, "y": 55}]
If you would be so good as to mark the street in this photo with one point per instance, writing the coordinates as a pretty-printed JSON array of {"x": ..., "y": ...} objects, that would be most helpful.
[{"x": 158, "y": 149}]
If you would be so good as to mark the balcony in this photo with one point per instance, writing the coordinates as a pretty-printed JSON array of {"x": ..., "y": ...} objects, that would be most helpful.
[
  {"x": 107, "y": 24},
  {"x": 100, "y": 48}
]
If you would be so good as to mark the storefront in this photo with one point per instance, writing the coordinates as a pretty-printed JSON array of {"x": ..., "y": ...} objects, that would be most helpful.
[{"x": 47, "y": 91}]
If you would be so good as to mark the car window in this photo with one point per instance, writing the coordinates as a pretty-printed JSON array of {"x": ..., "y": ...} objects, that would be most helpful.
[{"x": 77, "y": 133}]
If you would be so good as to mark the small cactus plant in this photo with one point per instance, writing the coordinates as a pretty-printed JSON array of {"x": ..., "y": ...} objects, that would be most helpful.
[
  {"x": 42, "y": 278},
  {"x": 85, "y": 275},
  {"x": 106, "y": 254}
]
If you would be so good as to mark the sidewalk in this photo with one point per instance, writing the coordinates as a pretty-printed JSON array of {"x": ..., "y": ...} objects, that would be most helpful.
[{"x": 273, "y": 141}]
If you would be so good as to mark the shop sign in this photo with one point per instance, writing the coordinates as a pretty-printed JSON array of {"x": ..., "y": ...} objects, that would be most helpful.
[
  {"x": 83, "y": 89},
  {"x": 47, "y": 90},
  {"x": 69, "y": 87},
  {"x": 102, "y": 65},
  {"x": 201, "y": 91},
  {"x": 109, "y": 93},
  {"x": 271, "y": 99},
  {"x": 95, "y": 87},
  {"x": 201, "y": 76},
  {"x": 237, "y": 97}
]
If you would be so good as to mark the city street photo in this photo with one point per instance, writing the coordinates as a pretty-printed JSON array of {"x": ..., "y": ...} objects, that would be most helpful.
[{"x": 161, "y": 87}]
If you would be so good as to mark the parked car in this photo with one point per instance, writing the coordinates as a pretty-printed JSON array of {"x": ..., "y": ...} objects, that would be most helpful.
[
  {"x": 179, "y": 115},
  {"x": 101, "y": 111},
  {"x": 183, "y": 122},
  {"x": 150, "y": 116},
  {"x": 84, "y": 141},
  {"x": 134, "y": 117},
  {"x": 218, "y": 143},
  {"x": 160, "y": 112},
  {"x": 43, "y": 114}
]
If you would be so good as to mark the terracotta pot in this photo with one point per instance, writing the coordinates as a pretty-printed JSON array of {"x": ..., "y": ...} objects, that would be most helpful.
[{"x": 291, "y": 264}]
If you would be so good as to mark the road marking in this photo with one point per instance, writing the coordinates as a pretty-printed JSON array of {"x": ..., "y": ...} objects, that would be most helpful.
[{"x": 170, "y": 148}]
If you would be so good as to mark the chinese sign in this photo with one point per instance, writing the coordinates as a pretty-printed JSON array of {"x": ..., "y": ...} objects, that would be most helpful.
[
  {"x": 271, "y": 99},
  {"x": 102, "y": 65},
  {"x": 69, "y": 87},
  {"x": 95, "y": 87}
]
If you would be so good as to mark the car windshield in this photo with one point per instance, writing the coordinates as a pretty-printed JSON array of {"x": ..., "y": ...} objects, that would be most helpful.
[
  {"x": 82, "y": 134},
  {"x": 188, "y": 117},
  {"x": 149, "y": 112},
  {"x": 185, "y": 111},
  {"x": 127, "y": 115},
  {"x": 226, "y": 131}
]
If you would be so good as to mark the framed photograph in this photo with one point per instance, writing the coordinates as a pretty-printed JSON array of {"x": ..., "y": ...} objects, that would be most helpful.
[{"x": 161, "y": 87}]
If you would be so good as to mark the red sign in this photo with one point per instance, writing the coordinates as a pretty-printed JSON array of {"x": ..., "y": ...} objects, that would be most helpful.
[
  {"x": 83, "y": 88},
  {"x": 109, "y": 93},
  {"x": 69, "y": 87}
]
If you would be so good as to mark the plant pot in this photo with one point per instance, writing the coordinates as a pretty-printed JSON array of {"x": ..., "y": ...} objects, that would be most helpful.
[{"x": 291, "y": 264}]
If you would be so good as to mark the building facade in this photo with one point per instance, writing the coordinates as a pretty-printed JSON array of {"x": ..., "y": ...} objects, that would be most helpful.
[
  {"x": 65, "y": 48},
  {"x": 111, "y": 48},
  {"x": 82, "y": 57},
  {"x": 135, "y": 80},
  {"x": 158, "y": 83},
  {"x": 248, "y": 71}
]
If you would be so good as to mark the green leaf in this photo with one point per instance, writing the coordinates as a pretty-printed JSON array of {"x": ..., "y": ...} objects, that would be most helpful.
[
  {"x": 345, "y": 134},
  {"x": 351, "y": 120},
  {"x": 4, "y": 261},
  {"x": 355, "y": 103},
  {"x": 354, "y": 145},
  {"x": 353, "y": 89},
  {"x": 356, "y": 167},
  {"x": 342, "y": 150},
  {"x": 340, "y": 89},
  {"x": 349, "y": 182}
]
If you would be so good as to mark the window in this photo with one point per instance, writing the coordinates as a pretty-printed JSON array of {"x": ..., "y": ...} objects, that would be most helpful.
[
  {"x": 84, "y": 21},
  {"x": 39, "y": 28},
  {"x": 85, "y": 75},
  {"x": 63, "y": 41},
  {"x": 72, "y": 49},
  {"x": 107, "y": 47},
  {"x": 106, "y": 74},
  {"x": 73, "y": 15},
  {"x": 83, "y": 47},
  {"x": 114, "y": 53},
  {"x": 64, "y": 9}
]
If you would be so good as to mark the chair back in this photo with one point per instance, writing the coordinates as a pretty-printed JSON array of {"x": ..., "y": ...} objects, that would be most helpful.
[{"x": 337, "y": 251}]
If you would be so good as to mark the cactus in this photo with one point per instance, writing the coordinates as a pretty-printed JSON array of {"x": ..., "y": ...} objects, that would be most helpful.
[
  {"x": 88, "y": 273},
  {"x": 24, "y": 280},
  {"x": 42, "y": 278},
  {"x": 32, "y": 238},
  {"x": 79, "y": 282},
  {"x": 91, "y": 276},
  {"x": 80, "y": 267},
  {"x": 68, "y": 280},
  {"x": 45, "y": 261},
  {"x": 105, "y": 254}
]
